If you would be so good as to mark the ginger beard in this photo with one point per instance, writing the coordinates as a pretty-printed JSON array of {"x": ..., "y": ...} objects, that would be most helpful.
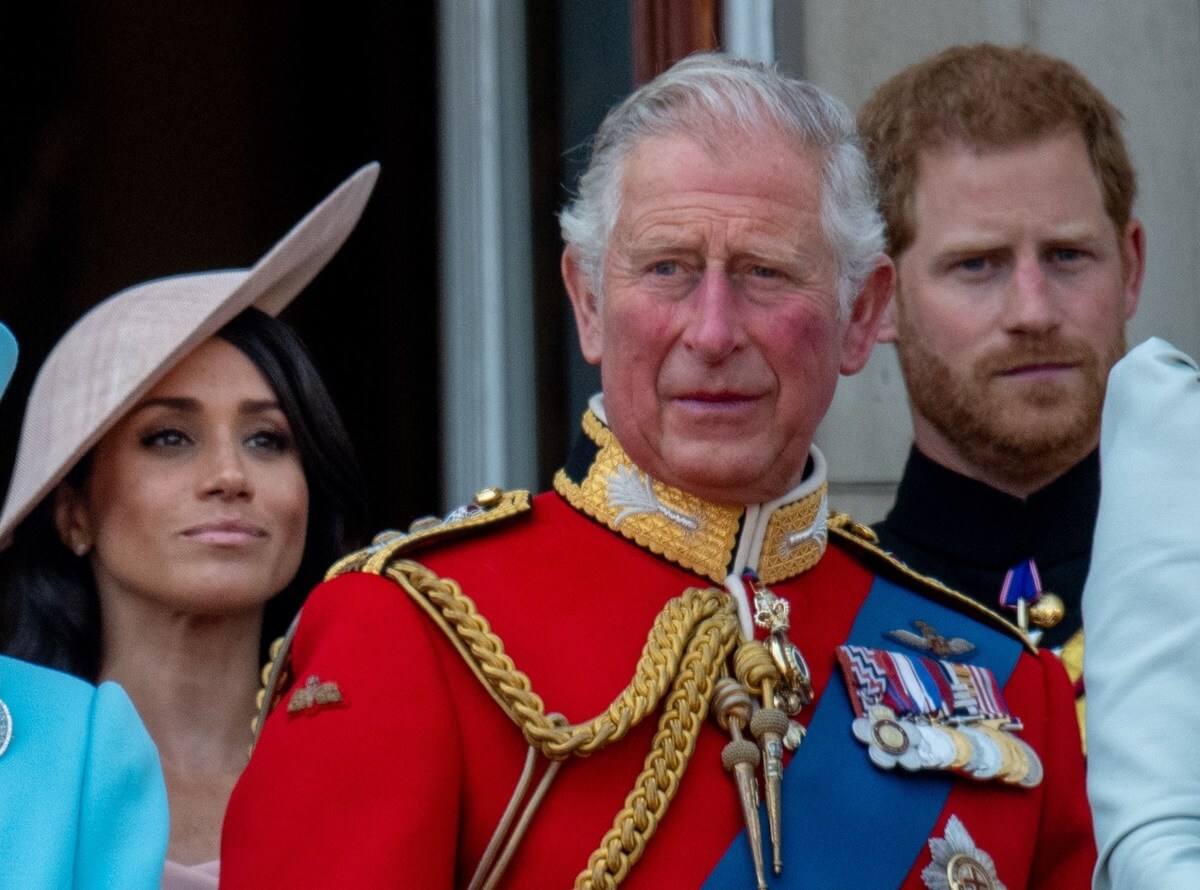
[{"x": 1019, "y": 431}]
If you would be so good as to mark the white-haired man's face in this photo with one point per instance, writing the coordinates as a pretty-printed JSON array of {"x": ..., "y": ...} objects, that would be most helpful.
[{"x": 718, "y": 337}]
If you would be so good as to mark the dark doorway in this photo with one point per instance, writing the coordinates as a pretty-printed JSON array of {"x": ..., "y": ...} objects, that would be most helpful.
[{"x": 146, "y": 139}]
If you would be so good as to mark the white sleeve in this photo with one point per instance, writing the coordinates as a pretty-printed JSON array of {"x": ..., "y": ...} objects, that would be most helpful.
[{"x": 1141, "y": 615}]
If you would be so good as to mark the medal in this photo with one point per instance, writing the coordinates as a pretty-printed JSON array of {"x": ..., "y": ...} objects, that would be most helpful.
[
  {"x": 986, "y": 759},
  {"x": 962, "y": 747},
  {"x": 940, "y": 747},
  {"x": 1036, "y": 772},
  {"x": 890, "y": 742},
  {"x": 1014, "y": 761}
]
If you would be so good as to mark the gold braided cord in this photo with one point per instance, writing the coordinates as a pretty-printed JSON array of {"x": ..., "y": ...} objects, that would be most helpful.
[
  {"x": 680, "y": 725},
  {"x": 684, "y": 655},
  {"x": 675, "y": 626},
  {"x": 752, "y": 665}
]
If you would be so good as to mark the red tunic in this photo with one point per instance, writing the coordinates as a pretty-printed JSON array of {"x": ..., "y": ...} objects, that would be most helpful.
[{"x": 405, "y": 780}]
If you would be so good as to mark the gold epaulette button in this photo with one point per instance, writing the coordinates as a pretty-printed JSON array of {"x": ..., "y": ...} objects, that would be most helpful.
[
  {"x": 489, "y": 497},
  {"x": 842, "y": 522}
]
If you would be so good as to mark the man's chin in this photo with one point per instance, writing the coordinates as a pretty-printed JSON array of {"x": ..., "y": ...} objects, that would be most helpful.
[
  {"x": 726, "y": 478},
  {"x": 1051, "y": 420},
  {"x": 1043, "y": 396},
  {"x": 1030, "y": 451}
]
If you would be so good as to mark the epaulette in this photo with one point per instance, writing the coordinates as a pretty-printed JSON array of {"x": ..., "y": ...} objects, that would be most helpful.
[
  {"x": 488, "y": 507},
  {"x": 862, "y": 543}
]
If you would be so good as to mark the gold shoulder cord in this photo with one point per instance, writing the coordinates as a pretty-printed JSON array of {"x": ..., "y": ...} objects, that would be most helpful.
[{"x": 683, "y": 657}]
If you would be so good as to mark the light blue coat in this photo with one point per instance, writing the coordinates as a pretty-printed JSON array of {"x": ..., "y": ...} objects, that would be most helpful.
[
  {"x": 1141, "y": 615},
  {"x": 82, "y": 799}
]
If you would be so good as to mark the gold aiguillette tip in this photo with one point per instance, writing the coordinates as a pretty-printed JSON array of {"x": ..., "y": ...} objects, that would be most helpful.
[{"x": 732, "y": 708}]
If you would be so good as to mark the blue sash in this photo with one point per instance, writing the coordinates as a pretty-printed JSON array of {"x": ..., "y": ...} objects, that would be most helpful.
[{"x": 848, "y": 823}]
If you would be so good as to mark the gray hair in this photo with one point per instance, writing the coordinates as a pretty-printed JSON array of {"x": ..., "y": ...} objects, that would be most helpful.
[{"x": 710, "y": 87}]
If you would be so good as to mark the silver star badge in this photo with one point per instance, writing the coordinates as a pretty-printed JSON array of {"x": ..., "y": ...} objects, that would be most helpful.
[{"x": 958, "y": 864}]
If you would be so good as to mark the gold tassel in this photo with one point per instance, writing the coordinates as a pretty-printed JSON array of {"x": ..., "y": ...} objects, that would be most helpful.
[{"x": 732, "y": 707}]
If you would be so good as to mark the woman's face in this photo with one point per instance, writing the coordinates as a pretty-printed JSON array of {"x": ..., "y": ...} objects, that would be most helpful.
[{"x": 196, "y": 499}]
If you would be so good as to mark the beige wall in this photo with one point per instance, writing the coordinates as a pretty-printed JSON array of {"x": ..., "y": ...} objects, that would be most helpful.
[{"x": 1144, "y": 55}]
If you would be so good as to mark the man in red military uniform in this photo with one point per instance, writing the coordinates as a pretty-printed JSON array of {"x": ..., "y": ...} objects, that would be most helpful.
[{"x": 677, "y": 669}]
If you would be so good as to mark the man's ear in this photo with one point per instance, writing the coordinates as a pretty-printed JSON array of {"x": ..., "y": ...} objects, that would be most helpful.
[
  {"x": 1133, "y": 256},
  {"x": 867, "y": 316},
  {"x": 889, "y": 328},
  {"x": 71, "y": 520},
  {"x": 586, "y": 304}
]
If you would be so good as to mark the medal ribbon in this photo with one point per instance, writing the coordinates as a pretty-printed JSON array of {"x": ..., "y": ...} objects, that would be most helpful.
[
  {"x": 919, "y": 687},
  {"x": 987, "y": 693},
  {"x": 924, "y": 693},
  {"x": 962, "y": 694},
  {"x": 877, "y": 676},
  {"x": 1021, "y": 582},
  {"x": 936, "y": 672},
  {"x": 863, "y": 674}
]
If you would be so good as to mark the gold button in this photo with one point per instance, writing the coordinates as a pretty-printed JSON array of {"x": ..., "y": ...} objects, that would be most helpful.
[
  {"x": 1048, "y": 611},
  {"x": 489, "y": 497},
  {"x": 862, "y": 531}
]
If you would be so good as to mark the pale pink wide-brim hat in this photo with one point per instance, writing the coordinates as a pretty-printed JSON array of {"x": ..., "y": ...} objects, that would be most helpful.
[{"x": 123, "y": 346}]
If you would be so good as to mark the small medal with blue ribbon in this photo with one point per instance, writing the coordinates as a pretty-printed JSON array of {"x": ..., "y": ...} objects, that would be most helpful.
[
  {"x": 1022, "y": 586},
  {"x": 1022, "y": 591}
]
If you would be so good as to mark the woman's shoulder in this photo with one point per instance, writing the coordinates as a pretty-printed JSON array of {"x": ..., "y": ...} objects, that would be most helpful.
[
  {"x": 86, "y": 717},
  {"x": 80, "y": 759},
  {"x": 25, "y": 681},
  {"x": 73, "y": 699}
]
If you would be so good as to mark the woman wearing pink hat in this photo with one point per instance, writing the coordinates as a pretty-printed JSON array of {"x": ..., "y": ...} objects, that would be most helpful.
[{"x": 182, "y": 480}]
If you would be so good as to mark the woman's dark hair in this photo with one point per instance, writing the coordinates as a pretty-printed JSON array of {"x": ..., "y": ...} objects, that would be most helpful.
[{"x": 51, "y": 611}]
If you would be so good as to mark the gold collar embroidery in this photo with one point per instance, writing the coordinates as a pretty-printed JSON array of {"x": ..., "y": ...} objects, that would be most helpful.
[{"x": 712, "y": 540}]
